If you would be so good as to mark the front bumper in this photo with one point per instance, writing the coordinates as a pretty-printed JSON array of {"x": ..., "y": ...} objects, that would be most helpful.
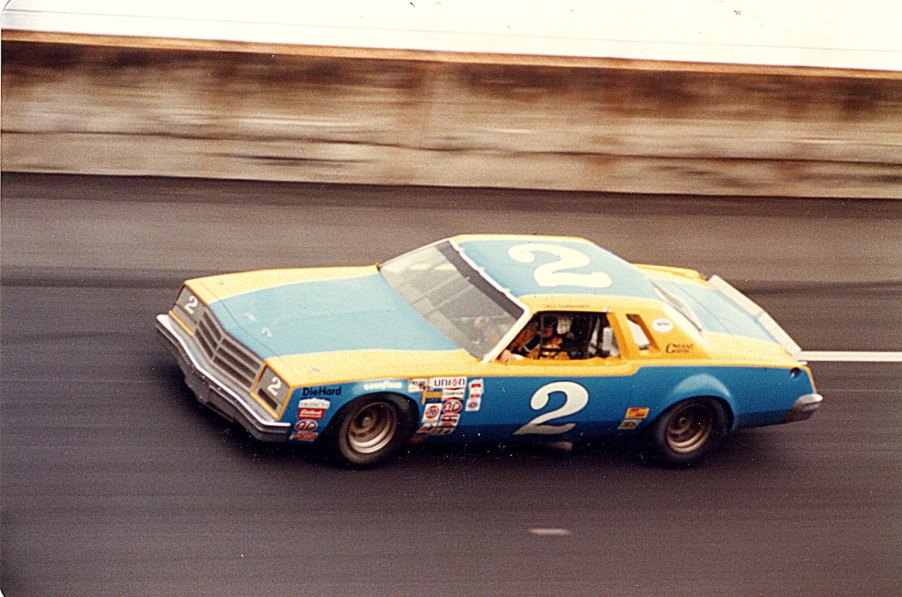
[
  {"x": 804, "y": 407},
  {"x": 213, "y": 391}
]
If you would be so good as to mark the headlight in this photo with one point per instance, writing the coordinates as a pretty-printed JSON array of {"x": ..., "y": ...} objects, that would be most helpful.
[
  {"x": 188, "y": 308},
  {"x": 272, "y": 389}
]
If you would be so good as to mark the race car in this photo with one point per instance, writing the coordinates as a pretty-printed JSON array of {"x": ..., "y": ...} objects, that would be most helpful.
[{"x": 487, "y": 338}]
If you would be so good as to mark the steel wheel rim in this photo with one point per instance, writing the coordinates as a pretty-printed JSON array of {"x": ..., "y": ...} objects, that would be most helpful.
[
  {"x": 689, "y": 428},
  {"x": 372, "y": 428}
]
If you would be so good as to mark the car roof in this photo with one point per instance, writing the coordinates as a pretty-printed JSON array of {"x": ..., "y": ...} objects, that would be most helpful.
[{"x": 527, "y": 265}]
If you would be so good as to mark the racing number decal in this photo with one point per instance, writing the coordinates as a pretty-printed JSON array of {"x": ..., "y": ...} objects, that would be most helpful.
[
  {"x": 274, "y": 386},
  {"x": 576, "y": 398},
  {"x": 554, "y": 274},
  {"x": 191, "y": 305}
]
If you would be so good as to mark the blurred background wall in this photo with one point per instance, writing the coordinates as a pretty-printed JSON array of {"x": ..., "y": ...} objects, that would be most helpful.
[{"x": 131, "y": 106}]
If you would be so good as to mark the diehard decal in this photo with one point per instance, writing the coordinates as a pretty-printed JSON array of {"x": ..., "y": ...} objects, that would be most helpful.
[
  {"x": 636, "y": 413},
  {"x": 321, "y": 391}
]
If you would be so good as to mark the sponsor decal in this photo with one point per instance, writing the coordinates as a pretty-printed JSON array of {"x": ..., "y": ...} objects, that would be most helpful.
[
  {"x": 321, "y": 391},
  {"x": 311, "y": 413},
  {"x": 662, "y": 326},
  {"x": 312, "y": 408},
  {"x": 474, "y": 395},
  {"x": 448, "y": 382},
  {"x": 629, "y": 424},
  {"x": 306, "y": 425},
  {"x": 452, "y": 406},
  {"x": 417, "y": 385},
  {"x": 313, "y": 403},
  {"x": 375, "y": 386},
  {"x": 453, "y": 393},
  {"x": 428, "y": 430},
  {"x": 636, "y": 412},
  {"x": 431, "y": 413},
  {"x": 449, "y": 420},
  {"x": 679, "y": 348},
  {"x": 304, "y": 436},
  {"x": 432, "y": 395}
]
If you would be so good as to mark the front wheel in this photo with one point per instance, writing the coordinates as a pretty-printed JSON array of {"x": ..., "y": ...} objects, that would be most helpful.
[
  {"x": 369, "y": 430},
  {"x": 687, "y": 431}
]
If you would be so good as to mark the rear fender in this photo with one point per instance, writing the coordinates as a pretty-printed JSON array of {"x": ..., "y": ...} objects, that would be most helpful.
[{"x": 703, "y": 385}]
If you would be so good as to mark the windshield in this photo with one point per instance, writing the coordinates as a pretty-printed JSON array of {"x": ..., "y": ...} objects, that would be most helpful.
[{"x": 453, "y": 297}]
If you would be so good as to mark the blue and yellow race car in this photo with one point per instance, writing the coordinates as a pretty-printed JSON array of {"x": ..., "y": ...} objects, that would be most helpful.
[{"x": 486, "y": 338}]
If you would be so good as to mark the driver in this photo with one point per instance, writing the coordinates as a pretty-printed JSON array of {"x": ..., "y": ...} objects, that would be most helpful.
[
  {"x": 542, "y": 338},
  {"x": 554, "y": 332}
]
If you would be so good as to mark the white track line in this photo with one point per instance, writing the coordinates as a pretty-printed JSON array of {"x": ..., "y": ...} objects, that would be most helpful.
[
  {"x": 858, "y": 357},
  {"x": 550, "y": 532}
]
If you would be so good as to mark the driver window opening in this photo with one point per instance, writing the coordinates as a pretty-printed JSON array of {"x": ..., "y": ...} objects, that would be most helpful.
[{"x": 563, "y": 336}]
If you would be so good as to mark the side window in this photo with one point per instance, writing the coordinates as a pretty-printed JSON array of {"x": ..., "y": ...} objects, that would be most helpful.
[
  {"x": 563, "y": 336},
  {"x": 640, "y": 333}
]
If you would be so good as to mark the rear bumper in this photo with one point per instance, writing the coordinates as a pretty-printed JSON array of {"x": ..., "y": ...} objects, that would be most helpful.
[
  {"x": 214, "y": 392},
  {"x": 804, "y": 407}
]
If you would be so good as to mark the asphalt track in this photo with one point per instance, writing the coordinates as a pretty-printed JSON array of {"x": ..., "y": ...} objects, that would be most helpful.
[{"x": 115, "y": 482}]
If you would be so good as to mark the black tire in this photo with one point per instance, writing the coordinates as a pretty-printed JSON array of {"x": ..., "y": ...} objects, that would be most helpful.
[
  {"x": 369, "y": 430},
  {"x": 687, "y": 431}
]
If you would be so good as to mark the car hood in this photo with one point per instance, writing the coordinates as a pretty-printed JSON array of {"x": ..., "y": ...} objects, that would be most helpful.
[{"x": 318, "y": 311}]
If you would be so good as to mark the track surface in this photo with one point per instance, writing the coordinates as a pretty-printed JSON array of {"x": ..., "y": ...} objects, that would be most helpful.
[{"x": 115, "y": 482}]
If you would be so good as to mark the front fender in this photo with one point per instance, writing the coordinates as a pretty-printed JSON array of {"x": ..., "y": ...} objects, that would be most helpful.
[{"x": 312, "y": 409}]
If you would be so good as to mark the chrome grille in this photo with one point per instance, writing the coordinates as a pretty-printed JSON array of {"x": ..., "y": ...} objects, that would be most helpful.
[{"x": 230, "y": 357}]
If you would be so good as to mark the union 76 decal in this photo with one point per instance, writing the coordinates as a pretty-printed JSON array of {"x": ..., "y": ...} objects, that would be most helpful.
[{"x": 576, "y": 398}]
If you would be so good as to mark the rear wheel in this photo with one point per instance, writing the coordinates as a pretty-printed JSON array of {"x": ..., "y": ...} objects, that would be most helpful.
[
  {"x": 687, "y": 431},
  {"x": 370, "y": 429}
]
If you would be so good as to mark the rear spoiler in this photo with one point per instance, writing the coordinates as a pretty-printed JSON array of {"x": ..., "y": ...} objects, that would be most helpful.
[{"x": 760, "y": 315}]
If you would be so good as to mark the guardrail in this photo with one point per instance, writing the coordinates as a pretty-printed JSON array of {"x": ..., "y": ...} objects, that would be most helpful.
[{"x": 134, "y": 106}]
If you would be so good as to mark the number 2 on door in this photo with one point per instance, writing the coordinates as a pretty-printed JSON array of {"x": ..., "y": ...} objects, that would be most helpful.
[{"x": 576, "y": 398}]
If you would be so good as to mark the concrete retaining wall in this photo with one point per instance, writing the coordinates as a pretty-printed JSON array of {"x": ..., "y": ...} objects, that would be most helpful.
[{"x": 221, "y": 110}]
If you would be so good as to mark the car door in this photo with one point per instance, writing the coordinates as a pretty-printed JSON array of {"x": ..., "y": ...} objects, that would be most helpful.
[{"x": 551, "y": 398}]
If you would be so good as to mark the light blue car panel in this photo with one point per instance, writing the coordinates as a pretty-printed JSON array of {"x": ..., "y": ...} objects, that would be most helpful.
[
  {"x": 360, "y": 313},
  {"x": 514, "y": 262}
]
